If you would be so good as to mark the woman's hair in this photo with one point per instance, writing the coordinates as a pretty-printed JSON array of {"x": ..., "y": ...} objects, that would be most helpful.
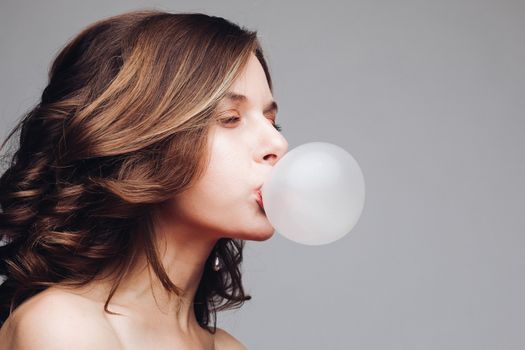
[{"x": 121, "y": 128}]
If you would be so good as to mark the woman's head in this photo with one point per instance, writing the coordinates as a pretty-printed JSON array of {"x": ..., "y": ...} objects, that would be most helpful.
[
  {"x": 131, "y": 122},
  {"x": 244, "y": 144}
]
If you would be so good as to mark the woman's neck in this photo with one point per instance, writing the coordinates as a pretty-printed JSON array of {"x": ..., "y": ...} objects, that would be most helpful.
[{"x": 182, "y": 254}]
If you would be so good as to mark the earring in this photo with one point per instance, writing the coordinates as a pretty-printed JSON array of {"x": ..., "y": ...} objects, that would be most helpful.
[{"x": 217, "y": 265}]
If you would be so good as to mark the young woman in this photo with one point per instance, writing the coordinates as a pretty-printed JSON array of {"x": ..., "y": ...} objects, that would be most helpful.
[{"x": 127, "y": 201}]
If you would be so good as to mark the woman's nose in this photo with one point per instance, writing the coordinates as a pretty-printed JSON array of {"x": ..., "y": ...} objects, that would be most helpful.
[{"x": 273, "y": 147}]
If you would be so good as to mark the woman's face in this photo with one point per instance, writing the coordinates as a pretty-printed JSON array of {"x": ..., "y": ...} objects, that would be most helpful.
[{"x": 244, "y": 146}]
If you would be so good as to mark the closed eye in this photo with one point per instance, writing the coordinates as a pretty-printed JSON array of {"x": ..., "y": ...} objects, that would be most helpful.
[
  {"x": 230, "y": 120},
  {"x": 233, "y": 119}
]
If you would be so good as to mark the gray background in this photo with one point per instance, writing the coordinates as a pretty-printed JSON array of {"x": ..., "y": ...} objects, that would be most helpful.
[{"x": 428, "y": 96}]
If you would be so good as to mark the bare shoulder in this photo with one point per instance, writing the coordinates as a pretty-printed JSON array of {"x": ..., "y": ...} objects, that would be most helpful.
[
  {"x": 224, "y": 340},
  {"x": 56, "y": 319}
]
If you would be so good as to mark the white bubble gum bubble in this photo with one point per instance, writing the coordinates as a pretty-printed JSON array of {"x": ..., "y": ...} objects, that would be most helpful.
[{"x": 315, "y": 194}]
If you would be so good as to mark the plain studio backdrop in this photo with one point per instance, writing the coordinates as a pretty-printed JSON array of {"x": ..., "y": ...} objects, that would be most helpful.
[{"x": 429, "y": 97}]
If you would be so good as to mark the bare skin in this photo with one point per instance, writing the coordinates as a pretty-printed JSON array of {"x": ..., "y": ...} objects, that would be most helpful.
[{"x": 222, "y": 204}]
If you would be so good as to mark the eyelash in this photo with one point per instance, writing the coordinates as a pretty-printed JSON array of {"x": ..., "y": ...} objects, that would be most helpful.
[{"x": 276, "y": 126}]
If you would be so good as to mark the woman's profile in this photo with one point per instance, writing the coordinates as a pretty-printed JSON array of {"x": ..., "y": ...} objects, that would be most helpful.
[{"x": 134, "y": 183}]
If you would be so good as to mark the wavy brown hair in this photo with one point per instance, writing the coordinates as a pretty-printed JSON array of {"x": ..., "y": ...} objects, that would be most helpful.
[{"x": 121, "y": 128}]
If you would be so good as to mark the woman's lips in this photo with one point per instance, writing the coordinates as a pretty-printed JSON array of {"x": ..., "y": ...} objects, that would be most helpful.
[{"x": 259, "y": 199}]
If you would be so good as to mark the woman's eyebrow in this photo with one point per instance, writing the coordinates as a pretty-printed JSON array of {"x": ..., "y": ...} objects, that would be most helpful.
[{"x": 234, "y": 97}]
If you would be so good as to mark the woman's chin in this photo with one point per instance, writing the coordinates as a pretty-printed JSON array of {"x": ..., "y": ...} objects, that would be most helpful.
[
  {"x": 263, "y": 237},
  {"x": 257, "y": 236}
]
